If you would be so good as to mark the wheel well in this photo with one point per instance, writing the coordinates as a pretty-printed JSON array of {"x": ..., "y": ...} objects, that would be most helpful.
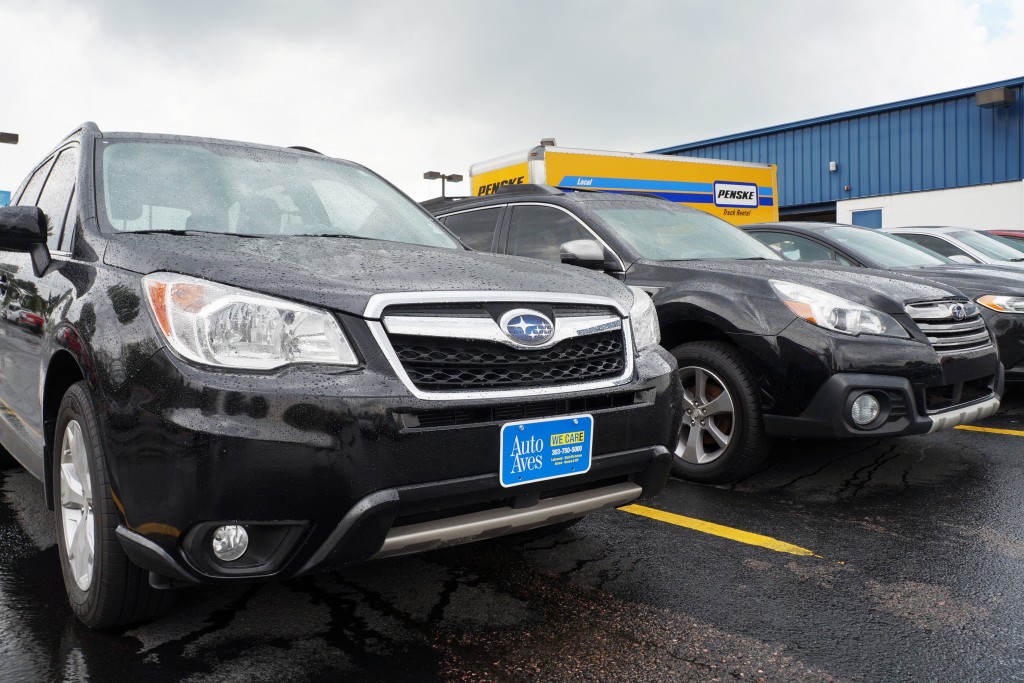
[
  {"x": 62, "y": 373},
  {"x": 677, "y": 333}
]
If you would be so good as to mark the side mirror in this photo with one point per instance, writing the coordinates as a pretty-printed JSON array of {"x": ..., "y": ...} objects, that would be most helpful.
[
  {"x": 583, "y": 253},
  {"x": 962, "y": 258},
  {"x": 23, "y": 228}
]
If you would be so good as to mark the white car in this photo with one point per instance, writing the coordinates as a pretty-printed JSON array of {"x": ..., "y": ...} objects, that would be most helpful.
[
  {"x": 963, "y": 245},
  {"x": 10, "y": 311}
]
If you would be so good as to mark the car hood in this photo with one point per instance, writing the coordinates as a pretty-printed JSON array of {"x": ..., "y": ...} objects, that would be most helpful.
[
  {"x": 885, "y": 291},
  {"x": 342, "y": 274},
  {"x": 974, "y": 281}
]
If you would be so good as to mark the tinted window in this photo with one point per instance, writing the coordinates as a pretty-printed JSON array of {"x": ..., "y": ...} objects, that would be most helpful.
[
  {"x": 936, "y": 244},
  {"x": 795, "y": 247},
  {"x": 56, "y": 195},
  {"x": 538, "y": 231},
  {"x": 35, "y": 183},
  {"x": 475, "y": 228},
  {"x": 161, "y": 186}
]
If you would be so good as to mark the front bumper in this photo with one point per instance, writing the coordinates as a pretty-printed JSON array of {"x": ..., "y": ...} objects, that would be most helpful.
[
  {"x": 328, "y": 470},
  {"x": 902, "y": 412},
  {"x": 807, "y": 376}
]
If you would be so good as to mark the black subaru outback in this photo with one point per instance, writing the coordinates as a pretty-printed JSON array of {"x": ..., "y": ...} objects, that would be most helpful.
[
  {"x": 766, "y": 347},
  {"x": 255, "y": 362}
]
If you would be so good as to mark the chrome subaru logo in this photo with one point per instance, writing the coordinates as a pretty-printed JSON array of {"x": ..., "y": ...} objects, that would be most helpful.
[
  {"x": 527, "y": 327},
  {"x": 958, "y": 311}
]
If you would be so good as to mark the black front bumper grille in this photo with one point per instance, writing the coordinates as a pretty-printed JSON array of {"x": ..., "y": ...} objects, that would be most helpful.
[
  {"x": 452, "y": 364},
  {"x": 506, "y": 412}
]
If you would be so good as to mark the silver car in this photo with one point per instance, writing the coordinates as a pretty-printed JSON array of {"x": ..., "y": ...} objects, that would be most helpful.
[{"x": 963, "y": 245}]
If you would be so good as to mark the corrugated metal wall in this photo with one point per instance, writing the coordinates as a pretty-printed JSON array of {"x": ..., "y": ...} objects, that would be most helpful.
[{"x": 929, "y": 145}]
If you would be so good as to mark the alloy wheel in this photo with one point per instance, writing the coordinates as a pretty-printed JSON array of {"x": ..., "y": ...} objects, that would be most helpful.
[
  {"x": 709, "y": 417},
  {"x": 76, "y": 505}
]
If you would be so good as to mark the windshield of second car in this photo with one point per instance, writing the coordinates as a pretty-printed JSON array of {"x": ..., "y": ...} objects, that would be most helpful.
[
  {"x": 887, "y": 250},
  {"x": 238, "y": 189},
  {"x": 988, "y": 246},
  {"x": 662, "y": 231}
]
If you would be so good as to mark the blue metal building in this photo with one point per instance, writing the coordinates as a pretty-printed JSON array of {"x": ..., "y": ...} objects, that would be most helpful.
[{"x": 969, "y": 138}]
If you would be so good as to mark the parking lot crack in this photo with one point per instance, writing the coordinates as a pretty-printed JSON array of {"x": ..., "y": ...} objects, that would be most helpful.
[
  {"x": 873, "y": 445},
  {"x": 856, "y": 483}
]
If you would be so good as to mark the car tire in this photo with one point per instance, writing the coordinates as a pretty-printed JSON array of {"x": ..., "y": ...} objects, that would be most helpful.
[
  {"x": 722, "y": 436},
  {"x": 104, "y": 588}
]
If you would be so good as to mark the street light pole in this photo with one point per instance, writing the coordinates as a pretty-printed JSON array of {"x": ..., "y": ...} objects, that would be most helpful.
[{"x": 434, "y": 175}]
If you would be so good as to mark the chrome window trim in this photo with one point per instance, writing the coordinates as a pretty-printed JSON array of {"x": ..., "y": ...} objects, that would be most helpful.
[
  {"x": 476, "y": 208},
  {"x": 378, "y": 302}
]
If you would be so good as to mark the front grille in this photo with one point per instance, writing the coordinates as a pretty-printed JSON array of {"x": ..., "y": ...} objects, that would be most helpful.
[
  {"x": 439, "y": 363},
  {"x": 950, "y": 325},
  {"x": 450, "y": 417}
]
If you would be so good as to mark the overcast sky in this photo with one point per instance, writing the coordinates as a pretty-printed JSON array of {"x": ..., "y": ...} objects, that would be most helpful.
[{"x": 406, "y": 87}]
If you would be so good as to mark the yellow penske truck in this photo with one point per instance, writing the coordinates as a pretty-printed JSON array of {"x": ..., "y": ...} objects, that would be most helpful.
[{"x": 735, "y": 191}]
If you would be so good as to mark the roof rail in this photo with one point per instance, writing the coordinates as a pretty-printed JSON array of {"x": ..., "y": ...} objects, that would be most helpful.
[
  {"x": 305, "y": 149},
  {"x": 528, "y": 188}
]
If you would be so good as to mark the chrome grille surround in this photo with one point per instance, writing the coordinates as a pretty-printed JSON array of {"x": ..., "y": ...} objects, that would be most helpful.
[
  {"x": 951, "y": 325},
  {"x": 413, "y": 315}
]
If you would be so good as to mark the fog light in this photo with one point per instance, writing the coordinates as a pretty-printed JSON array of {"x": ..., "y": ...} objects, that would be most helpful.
[
  {"x": 865, "y": 410},
  {"x": 230, "y": 542}
]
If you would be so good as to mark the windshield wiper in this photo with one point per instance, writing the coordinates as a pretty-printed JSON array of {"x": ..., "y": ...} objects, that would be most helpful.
[
  {"x": 185, "y": 233},
  {"x": 338, "y": 234}
]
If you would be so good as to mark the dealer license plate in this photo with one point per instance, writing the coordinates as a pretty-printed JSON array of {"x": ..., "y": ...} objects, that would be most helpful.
[{"x": 535, "y": 450}]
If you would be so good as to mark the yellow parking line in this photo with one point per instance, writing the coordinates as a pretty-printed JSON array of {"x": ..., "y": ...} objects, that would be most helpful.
[
  {"x": 718, "y": 530},
  {"x": 991, "y": 430}
]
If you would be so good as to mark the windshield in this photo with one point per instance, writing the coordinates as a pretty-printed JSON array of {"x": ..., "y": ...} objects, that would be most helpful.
[
  {"x": 663, "y": 231},
  {"x": 887, "y": 250},
  {"x": 1015, "y": 242},
  {"x": 988, "y": 246},
  {"x": 238, "y": 189}
]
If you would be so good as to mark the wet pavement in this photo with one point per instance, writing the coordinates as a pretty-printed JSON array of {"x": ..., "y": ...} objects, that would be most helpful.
[{"x": 917, "y": 573}]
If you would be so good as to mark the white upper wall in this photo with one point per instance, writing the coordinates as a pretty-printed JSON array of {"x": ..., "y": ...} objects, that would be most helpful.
[{"x": 982, "y": 206}]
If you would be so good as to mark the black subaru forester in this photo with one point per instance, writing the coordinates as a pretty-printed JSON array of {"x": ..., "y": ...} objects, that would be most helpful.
[{"x": 258, "y": 362}]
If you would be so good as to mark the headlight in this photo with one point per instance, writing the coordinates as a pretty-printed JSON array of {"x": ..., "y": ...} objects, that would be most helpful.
[
  {"x": 643, "y": 319},
  {"x": 835, "y": 313},
  {"x": 1003, "y": 304},
  {"x": 215, "y": 324}
]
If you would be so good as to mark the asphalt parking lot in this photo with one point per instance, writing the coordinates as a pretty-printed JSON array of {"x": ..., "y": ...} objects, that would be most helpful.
[{"x": 881, "y": 560}]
